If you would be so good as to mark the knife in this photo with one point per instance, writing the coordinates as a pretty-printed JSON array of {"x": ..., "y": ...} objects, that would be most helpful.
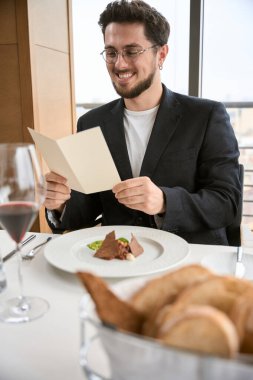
[
  {"x": 239, "y": 266},
  {"x": 10, "y": 254}
]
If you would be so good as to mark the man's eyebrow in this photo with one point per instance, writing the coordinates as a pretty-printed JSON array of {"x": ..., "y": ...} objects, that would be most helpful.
[{"x": 126, "y": 46}]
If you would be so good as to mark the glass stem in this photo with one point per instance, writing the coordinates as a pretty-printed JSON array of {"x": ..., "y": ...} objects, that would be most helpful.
[
  {"x": 3, "y": 281},
  {"x": 23, "y": 304}
]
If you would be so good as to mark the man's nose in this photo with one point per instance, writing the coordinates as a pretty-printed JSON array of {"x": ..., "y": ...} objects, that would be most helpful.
[{"x": 121, "y": 60}]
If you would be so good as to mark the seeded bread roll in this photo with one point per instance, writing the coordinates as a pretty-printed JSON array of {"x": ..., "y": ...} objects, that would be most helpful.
[{"x": 203, "y": 329}]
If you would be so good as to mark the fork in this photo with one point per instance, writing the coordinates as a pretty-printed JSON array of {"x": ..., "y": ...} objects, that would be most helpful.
[{"x": 31, "y": 254}]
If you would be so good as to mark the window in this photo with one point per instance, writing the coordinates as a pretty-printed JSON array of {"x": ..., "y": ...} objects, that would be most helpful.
[
  {"x": 227, "y": 75},
  {"x": 227, "y": 72}
]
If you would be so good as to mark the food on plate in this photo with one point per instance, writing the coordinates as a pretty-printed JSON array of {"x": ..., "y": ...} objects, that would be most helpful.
[
  {"x": 112, "y": 248},
  {"x": 203, "y": 329},
  {"x": 189, "y": 308},
  {"x": 110, "y": 308},
  {"x": 95, "y": 245}
]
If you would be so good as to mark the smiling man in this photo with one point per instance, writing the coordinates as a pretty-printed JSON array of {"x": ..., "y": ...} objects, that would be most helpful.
[{"x": 177, "y": 156}]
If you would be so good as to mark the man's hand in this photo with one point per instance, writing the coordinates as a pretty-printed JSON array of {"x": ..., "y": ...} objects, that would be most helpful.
[
  {"x": 57, "y": 193},
  {"x": 140, "y": 194}
]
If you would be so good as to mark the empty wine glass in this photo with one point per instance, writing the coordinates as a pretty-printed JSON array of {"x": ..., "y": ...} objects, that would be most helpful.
[{"x": 22, "y": 192}]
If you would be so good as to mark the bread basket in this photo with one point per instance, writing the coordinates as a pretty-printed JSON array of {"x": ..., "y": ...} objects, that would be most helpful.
[{"x": 108, "y": 354}]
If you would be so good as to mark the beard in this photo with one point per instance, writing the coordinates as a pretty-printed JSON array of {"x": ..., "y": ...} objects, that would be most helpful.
[{"x": 137, "y": 90}]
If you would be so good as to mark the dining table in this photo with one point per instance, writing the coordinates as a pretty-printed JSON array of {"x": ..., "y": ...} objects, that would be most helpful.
[{"x": 48, "y": 347}]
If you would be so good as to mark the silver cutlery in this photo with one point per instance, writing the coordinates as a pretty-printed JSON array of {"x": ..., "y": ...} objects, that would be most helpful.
[
  {"x": 239, "y": 266},
  {"x": 23, "y": 243},
  {"x": 32, "y": 253}
]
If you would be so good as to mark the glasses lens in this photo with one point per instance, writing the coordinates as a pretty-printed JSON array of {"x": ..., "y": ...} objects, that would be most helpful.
[
  {"x": 131, "y": 52},
  {"x": 110, "y": 55}
]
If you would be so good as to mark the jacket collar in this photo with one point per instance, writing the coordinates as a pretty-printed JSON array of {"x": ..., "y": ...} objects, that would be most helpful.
[{"x": 166, "y": 122}]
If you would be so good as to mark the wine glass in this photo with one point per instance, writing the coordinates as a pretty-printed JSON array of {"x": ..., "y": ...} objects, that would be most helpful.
[{"x": 22, "y": 192}]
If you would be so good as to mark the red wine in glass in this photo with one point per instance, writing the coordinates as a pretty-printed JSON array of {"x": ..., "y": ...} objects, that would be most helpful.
[
  {"x": 22, "y": 192},
  {"x": 17, "y": 218}
]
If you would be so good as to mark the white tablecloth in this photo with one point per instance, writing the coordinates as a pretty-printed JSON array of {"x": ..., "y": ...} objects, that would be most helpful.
[{"x": 48, "y": 348}]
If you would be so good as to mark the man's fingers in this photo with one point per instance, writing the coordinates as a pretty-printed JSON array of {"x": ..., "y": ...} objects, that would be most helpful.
[
  {"x": 58, "y": 191},
  {"x": 57, "y": 196},
  {"x": 129, "y": 193},
  {"x": 129, "y": 183},
  {"x": 53, "y": 177},
  {"x": 58, "y": 188}
]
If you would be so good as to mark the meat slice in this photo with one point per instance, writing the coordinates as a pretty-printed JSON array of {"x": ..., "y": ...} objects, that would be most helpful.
[
  {"x": 109, "y": 247},
  {"x": 135, "y": 248}
]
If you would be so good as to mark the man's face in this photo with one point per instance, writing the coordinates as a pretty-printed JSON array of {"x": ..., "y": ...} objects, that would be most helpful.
[{"x": 130, "y": 77}]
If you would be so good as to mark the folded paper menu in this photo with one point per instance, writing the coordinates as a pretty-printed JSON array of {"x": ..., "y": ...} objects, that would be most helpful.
[{"x": 83, "y": 158}]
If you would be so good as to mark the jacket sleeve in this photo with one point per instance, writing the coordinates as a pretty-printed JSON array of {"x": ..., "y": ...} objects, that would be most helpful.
[
  {"x": 81, "y": 211},
  {"x": 218, "y": 191}
]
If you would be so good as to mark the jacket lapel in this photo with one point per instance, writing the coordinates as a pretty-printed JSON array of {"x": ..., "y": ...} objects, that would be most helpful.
[
  {"x": 166, "y": 122},
  {"x": 113, "y": 130}
]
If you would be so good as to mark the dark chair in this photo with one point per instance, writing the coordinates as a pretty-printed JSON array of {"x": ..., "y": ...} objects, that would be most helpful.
[{"x": 233, "y": 230}]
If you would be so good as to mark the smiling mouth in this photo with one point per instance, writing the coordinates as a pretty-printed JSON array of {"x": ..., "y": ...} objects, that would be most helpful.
[{"x": 124, "y": 75}]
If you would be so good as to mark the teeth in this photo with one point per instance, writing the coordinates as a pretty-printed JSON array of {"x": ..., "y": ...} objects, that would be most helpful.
[{"x": 125, "y": 75}]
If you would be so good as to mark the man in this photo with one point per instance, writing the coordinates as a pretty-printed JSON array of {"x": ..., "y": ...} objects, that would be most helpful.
[{"x": 177, "y": 156}]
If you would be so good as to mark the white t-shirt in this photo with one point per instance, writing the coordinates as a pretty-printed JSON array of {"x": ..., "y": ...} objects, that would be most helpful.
[{"x": 138, "y": 127}]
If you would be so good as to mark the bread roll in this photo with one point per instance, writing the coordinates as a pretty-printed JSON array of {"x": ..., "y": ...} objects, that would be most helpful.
[
  {"x": 217, "y": 291},
  {"x": 242, "y": 316},
  {"x": 164, "y": 289},
  {"x": 110, "y": 308},
  {"x": 203, "y": 329}
]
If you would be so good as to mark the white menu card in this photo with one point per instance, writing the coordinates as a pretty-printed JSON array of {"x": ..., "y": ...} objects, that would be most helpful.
[{"x": 83, "y": 158}]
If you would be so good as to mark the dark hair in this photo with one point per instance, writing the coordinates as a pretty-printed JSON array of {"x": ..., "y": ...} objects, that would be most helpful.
[{"x": 157, "y": 28}]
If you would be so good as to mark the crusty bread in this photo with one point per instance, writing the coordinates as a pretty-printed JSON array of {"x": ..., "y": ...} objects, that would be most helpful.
[
  {"x": 110, "y": 308},
  {"x": 217, "y": 291},
  {"x": 203, "y": 329},
  {"x": 242, "y": 316},
  {"x": 190, "y": 308},
  {"x": 164, "y": 289}
]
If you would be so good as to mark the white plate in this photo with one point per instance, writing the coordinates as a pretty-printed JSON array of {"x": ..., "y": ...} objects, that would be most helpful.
[
  {"x": 162, "y": 250},
  {"x": 225, "y": 263}
]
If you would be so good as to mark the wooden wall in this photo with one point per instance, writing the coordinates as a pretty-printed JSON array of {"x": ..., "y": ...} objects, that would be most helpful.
[
  {"x": 10, "y": 96},
  {"x": 36, "y": 71}
]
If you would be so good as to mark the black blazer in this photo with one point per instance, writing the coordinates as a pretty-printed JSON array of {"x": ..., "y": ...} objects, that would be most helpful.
[{"x": 192, "y": 155}]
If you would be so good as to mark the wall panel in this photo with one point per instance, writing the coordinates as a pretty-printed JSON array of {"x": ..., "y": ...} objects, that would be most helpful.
[
  {"x": 7, "y": 22},
  {"x": 10, "y": 100},
  {"x": 36, "y": 81}
]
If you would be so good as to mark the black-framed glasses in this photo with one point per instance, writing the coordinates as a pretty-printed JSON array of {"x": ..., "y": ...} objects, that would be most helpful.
[{"x": 129, "y": 53}]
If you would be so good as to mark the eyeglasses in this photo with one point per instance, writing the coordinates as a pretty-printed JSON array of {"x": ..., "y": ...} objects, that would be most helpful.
[{"x": 129, "y": 54}]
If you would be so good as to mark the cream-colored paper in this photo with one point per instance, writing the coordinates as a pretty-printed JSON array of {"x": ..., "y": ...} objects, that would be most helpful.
[{"x": 83, "y": 158}]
